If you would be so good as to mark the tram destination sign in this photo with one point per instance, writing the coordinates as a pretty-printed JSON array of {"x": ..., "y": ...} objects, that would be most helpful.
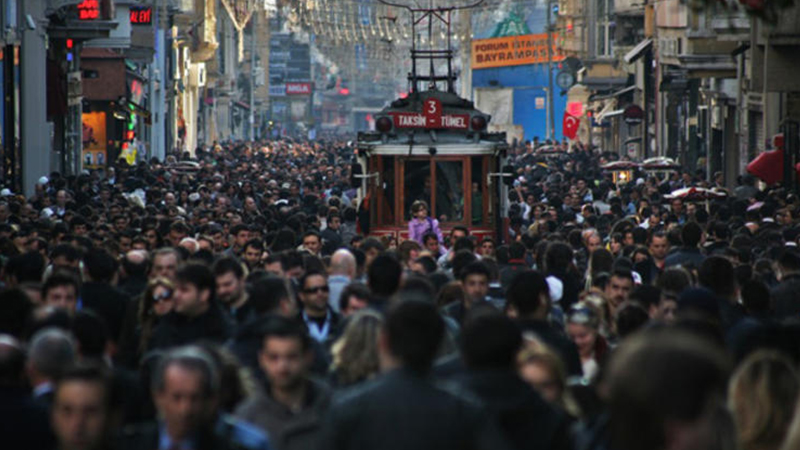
[{"x": 419, "y": 120}]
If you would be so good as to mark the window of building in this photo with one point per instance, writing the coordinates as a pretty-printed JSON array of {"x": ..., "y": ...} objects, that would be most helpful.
[{"x": 604, "y": 37}]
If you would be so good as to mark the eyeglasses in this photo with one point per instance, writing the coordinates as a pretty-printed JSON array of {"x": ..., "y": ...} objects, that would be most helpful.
[
  {"x": 162, "y": 297},
  {"x": 314, "y": 290}
]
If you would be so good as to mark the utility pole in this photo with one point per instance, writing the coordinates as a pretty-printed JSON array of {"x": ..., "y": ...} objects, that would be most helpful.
[
  {"x": 551, "y": 123},
  {"x": 253, "y": 76}
]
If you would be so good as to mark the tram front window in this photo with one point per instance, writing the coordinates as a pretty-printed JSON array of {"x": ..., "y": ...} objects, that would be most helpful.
[
  {"x": 417, "y": 184},
  {"x": 449, "y": 191}
]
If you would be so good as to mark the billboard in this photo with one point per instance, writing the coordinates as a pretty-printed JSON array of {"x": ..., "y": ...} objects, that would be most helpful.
[
  {"x": 513, "y": 51},
  {"x": 94, "y": 139}
]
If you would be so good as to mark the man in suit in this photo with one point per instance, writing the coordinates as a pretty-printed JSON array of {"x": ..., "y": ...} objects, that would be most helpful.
[
  {"x": 403, "y": 409},
  {"x": 186, "y": 387},
  {"x": 51, "y": 350}
]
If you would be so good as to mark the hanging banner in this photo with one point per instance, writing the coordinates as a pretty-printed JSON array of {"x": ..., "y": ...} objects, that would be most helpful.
[
  {"x": 570, "y": 126},
  {"x": 513, "y": 51}
]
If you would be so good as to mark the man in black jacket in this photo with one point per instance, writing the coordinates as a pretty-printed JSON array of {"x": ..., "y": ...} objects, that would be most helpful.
[
  {"x": 403, "y": 409},
  {"x": 528, "y": 301},
  {"x": 99, "y": 295},
  {"x": 24, "y": 424},
  {"x": 196, "y": 315},
  {"x": 489, "y": 345},
  {"x": 784, "y": 296}
]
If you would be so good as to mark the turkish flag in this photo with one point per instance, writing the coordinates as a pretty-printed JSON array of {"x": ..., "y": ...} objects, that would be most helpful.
[{"x": 571, "y": 125}]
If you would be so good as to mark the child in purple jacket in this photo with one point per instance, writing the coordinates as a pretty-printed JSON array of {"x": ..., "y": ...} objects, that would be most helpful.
[{"x": 420, "y": 223}]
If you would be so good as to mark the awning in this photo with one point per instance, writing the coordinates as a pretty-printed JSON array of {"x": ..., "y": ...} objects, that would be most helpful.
[
  {"x": 613, "y": 94},
  {"x": 617, "y": 112},
  {"x": 242, "y": 105},
  {"x": 637, "y": 51}
]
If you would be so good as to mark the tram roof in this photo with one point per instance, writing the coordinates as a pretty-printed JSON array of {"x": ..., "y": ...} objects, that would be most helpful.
[{"x": 449, "y": 149}]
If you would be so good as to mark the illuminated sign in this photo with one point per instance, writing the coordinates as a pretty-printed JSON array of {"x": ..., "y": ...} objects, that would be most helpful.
[
  {"x": 298, "y": 88},
  {"x": 141, "y": 15},
  {"x": 89, "y": 10},
  {"x": 418, "y": 120},
  {"x": 513, "y": 51}
]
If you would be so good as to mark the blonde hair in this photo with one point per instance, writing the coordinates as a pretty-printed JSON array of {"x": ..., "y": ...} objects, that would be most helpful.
[
  {"x": 355, "y": 354},
  {"x": 761, "y": 396}
]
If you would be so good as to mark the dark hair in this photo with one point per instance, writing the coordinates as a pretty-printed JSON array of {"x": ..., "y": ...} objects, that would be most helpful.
[
  {"x": 718, "y": 275},
  {"x": 464, "y": 243},
  {"x": 266, "y": 293},
  {"x": 256, "y": 244},
  {"x": 67, "y": 251},
  {"x": 428, "y": 236},
  {"x": 60, "y": 278},
  {"x": 630, "y": 318},
  {"x": 283, "y": 327},
  {"x": 88, "y": 373},
  {"x": 226, "y": 265},
  {"x": 525, "y": 290},
  {"x": 789, "y": 260},
  {"x": 198, "y": 275},
  {"x": 622, "y": 273},
  {"x": 490, "y": 341},
  {"x": 372, "y": 242},
  {"x": 691, "y": 234},
  {"x": 100, "y": 265},
  {"x": 91, "y": 332},
  {"x": 461, "y": 259},
  {"x": 291, "y": 259},
  {"x": 383, "y": 275},
  {"x": 656, "y": 377},
  {"x": 27, "y": 267},
  {"x": 474, "y": 268},
  {"x": 414, "y": 330},
  {"x": 301, "y": 283},
  {"x": 239, "y": 228},
  {"x": 756, "y": 297},
  {"x": 516, "y": 250},
  {"x": 357, "y": 290},
  {"x": 15, "y": 312}
]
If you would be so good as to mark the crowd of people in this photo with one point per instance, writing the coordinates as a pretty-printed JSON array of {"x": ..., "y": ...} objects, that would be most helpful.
[{"x": 229, "y": 300}]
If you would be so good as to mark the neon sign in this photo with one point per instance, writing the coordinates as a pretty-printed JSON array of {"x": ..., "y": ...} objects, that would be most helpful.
[
  {"x": 89, "y": 10},
  {"x": 141, "y": 15}
]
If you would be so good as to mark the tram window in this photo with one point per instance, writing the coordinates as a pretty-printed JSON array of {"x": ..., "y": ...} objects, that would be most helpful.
[
  {"x": 417, "y": 184},
  {"x": 477, "y": 189},
  {"x": 449, "y": 191},
  {"x": 387, "y": 191}
]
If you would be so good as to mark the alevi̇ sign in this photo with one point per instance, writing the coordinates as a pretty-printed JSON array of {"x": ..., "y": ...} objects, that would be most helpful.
[{"x": 513, "y": 51}]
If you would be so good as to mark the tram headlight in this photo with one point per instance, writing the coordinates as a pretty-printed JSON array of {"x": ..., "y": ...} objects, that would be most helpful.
[
  {"x": 383, "y": 124},
  {"x": 478, "y": 123}
]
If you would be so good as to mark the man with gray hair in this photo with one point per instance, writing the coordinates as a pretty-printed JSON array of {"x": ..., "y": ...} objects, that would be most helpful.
[
  {"x": 186, "y": 386},
  {"x": 51, "y": 350},
  {"x": 342, "y": 272}
]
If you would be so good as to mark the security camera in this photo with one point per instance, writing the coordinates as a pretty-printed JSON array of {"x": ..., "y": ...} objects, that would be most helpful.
[{"x": 31, "y": 22}]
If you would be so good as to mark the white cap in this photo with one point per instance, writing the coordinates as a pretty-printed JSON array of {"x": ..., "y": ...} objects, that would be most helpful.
[
  {"x": 6, "y": 193},
  {"x": 194, "y": 196},
  {"x": 43, "y": 180}
]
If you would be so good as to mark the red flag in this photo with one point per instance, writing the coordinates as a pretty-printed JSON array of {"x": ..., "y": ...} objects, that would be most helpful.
[{"x": 571, "y": 125}]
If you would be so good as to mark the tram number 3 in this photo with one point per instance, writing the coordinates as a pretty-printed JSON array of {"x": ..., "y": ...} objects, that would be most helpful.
[{"x": 433, "y": 112}]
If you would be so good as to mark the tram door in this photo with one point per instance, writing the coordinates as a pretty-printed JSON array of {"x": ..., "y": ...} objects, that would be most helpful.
[{"x": 454, "y": 187}]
